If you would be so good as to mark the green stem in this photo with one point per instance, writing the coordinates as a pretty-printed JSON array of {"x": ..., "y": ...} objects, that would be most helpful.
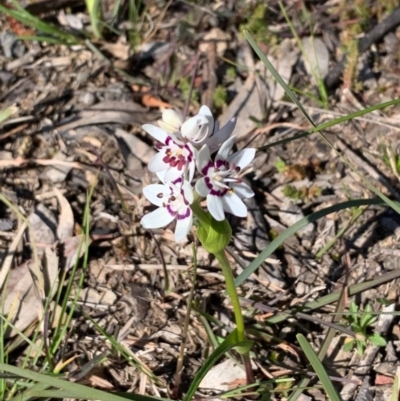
[
  {"x": 237, "y": 310},
  {"x": 231, "y": 288},
  {"x": 215, "y": 236}
]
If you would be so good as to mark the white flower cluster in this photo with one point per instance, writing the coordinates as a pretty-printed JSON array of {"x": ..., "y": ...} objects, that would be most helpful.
[{"x": 182, "y": 146}]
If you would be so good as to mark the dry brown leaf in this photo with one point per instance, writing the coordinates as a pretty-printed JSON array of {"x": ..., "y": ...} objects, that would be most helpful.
[
  {"x": 119, "y": 50},
  {"x": 6, "y": 266},
  {"x": 21, "y": 306},
  {"x": 381, "y": 380},
  {"x": 65, "y": 227},
  {"x": 109, "y": 112},
  {"x": 43, "y": 227},
  {"x": 18, "y": 162},
  {"x": 50, "y": 264},
  {"x": 153, "y": 101},
  {"x": 72, "y": 246}
]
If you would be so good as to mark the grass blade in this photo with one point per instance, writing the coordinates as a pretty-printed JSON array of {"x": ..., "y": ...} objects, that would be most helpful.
[
  {"x": 395, "y": 389},
  {"x": 78, "y": 390},
  {"x": 333, "y": 122},
  {"x": 291, "y": 94},
  {"x": 278, "y": 241},
  {"x": 276, "y": 75},
  {"x": 318, "y": 368},
  {"x": 7, "y": 113},
  {"x": 23, "y": 16},
  {"x": 93, "y": 7},
  {"x": 335, "y": 296}
]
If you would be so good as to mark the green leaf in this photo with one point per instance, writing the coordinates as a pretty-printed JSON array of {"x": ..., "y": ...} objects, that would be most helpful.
[
  {"x": 377, "y": 340},
  {"x": 318, "y": 368},
  {"x": 360, "y": 347},
  {"x": 367, "y": 320},
  {"x": 229, "y": 343},
  {"x": 348, "y": 345},
  {"x": 384, "y": 301},
  {"x": 353, "y": 308},
  {"x": 292, "y": 230}
]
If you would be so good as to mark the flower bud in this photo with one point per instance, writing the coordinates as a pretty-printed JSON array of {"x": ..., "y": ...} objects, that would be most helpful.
[{"x": 214, "y": 235}]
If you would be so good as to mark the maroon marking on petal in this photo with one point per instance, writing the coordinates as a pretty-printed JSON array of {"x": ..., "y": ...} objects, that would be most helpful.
[
  {"x": 220, "y": 192},
  {"x": 173, "y": 162},
  {"x": 168, "y": 140},
  {"x": 185, "y": 215},
  {"x": 190, "y": 155},
  {"x": 221, "y": 163},
  {"x": 170, "y": 211},
  {"x": 181, "y": 163},
  {"x": 166, "y": 159},
  {"x": 177, "y": 181},
  {"x": 207, "y": 180},
  {"x": 204, "y": 171}
]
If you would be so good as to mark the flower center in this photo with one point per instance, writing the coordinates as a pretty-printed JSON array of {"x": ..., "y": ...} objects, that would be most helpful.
[
  {"x": 176, "y": 204},
  {"x": 177, "y": 155},
  {"x": 225, "y": 174}
]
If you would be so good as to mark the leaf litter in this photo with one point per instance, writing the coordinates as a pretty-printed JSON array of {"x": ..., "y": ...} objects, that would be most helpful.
[{"x": 84, "y": 128}]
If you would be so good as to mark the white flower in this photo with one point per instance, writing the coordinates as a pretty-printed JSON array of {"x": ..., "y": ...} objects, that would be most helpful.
[
  {"x": 173, "y": 202},
  {"x": 199, "y": 127},
  {"x": 175, "y": 158},
  {"x": 221, "y": 183},
  {"x": 199, "y": 130}
]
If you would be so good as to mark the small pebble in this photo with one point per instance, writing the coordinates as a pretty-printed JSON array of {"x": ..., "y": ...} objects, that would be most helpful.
[{"x": 87, "y": 99}]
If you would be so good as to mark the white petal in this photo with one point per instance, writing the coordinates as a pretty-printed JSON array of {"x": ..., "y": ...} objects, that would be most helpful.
[
  {"x": 157, "y": 164},
  {"x": 201, "y": 187},
  {"x": 193, "y": 150},
  {"x": 203, "y": 158},
  {"x": 183, "y": 227},
  {"x": 166, "y": 127},
  {"x": 159, "y": 218},
  {"x": 173, "y": 174},
  {"x": 161, "y": 175},
  {"x": 152, "y": 193},
  {"x": 223, "y": 134},
  {"x": 156, "y": 132},
  {"x": 205, "y": 111},
  {"x": 192, "y": 170},
  {"x": 190, "y": 128},
  {"x": 242, "y": 190},
  {"x": 233, "y": 204},
  {"x": 187, "y": 192},
  {"x": 225, "y": 149},
  {"x": 214, "y": 205},
  {"x": 243, "y": 157},
  {"x": 172, "y": 118}
]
